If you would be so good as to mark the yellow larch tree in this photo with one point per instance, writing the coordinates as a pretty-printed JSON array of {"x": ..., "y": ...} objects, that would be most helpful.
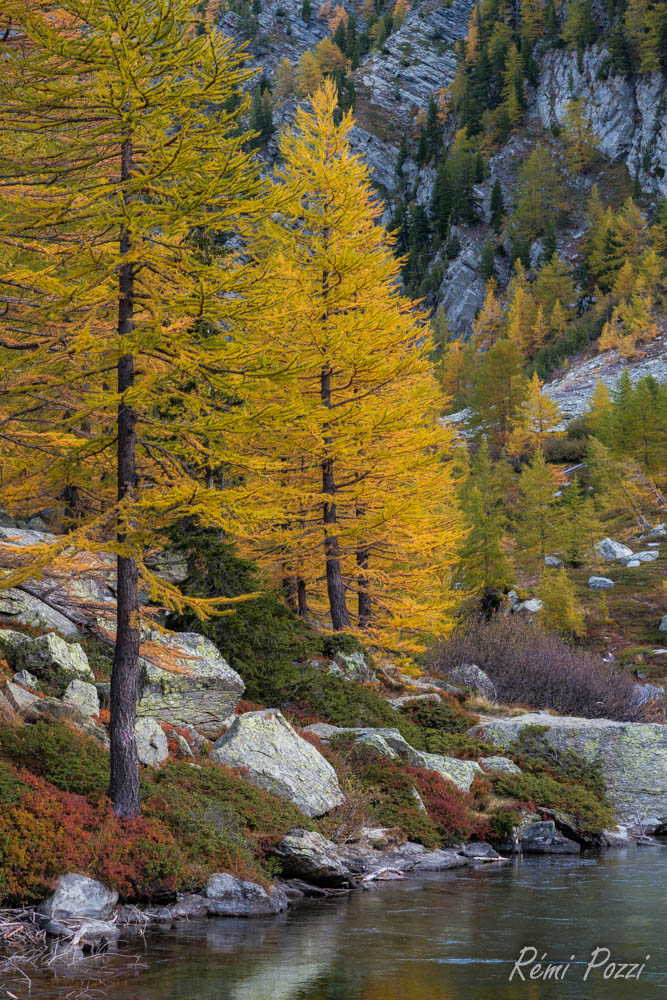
[
  {"x": 537, "y": 420},
  {"x": 357, "y": 494},
  {"x": 487, "y": 325},
  {"x": 119, "y": 347}
]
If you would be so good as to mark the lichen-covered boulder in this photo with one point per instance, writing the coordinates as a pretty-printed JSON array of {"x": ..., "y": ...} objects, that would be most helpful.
[
  {"x": 632, "y": 755},
  {"x": 152, "y": 747},
  {"x": 185, "y": 681},
  {"x": 19, "y": 698},
  {"x": 228, "y": 896},
  {"x": 391, "y": 744},
  {"x": 83, "y": 696},
  {"x": 79, "y": 896},
  {"x": 353, "y": 667},
  {"x": 503, "y": 765},
  {"x": 51, "y": 659},
  {"x": 29, "y": 610},
  {"x": 276, "y": 758}
]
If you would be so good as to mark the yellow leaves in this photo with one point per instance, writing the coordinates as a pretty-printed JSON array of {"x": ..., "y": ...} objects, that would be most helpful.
[
  {"x": 362, "y": 403},
  {"x": 538, "y": 418}
]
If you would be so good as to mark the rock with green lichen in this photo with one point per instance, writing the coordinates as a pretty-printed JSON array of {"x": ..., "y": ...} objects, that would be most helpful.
[
  {"x": 186, "y": 682},
  {"x": 276, "y": 758},
  {"x": 632, "y": 755},
  {"x": 391, "y": 744}
]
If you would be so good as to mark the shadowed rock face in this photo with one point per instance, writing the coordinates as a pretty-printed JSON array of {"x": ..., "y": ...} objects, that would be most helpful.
[
  {"x": 633, "y": 755},
  {"x": 276, "y": 758}
]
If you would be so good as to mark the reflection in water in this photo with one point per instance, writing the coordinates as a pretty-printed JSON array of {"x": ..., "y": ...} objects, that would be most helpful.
[{"x": 449, "y": 936}]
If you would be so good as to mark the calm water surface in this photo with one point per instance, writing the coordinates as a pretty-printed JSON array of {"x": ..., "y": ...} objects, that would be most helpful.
[{"x": 449, "y": 936}]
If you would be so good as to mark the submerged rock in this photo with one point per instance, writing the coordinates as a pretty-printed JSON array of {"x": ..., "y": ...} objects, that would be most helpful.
[
  {"x": 228, "y": 896},
  {"x": 79, "y": 896},
  {"x": 276, "y": 758},
  {"x": 307, "y": 855},
  {"x": 632, "y": 755},
  {"x": 544, "y": 838}
]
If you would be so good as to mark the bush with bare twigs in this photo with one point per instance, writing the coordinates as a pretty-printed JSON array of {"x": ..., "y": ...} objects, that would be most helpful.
[{"x": 532, "y": 667}]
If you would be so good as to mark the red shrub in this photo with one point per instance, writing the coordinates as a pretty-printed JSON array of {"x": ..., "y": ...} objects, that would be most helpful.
[{"x": 450, "y": 809}]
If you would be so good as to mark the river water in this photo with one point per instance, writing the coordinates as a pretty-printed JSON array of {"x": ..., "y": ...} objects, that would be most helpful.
[{"x": 449, "y": 936}]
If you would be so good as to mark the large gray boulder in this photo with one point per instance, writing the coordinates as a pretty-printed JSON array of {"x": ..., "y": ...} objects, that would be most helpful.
[
  {"x": 152, "y": 747},
  {"x": 185, "y": 681},
  {"x": 391, "y": 744},
  {"x": 26, "y": 609},
  {"x": 276, "y": 758},
  {"x": 49, "y": 658},
  {"x": 612, "y": 551},
  {"x": 632, "y": 755},
  {"x": 228, "y": 896},
  {"x": 472, "y": 676},
  {"x": 79, "y": 896},
  {"x": 307, "y": 855}
]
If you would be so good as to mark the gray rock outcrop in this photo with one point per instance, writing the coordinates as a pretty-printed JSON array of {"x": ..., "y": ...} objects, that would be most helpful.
[
  {"x": 612, "y": 551},
  {"x": 472, "y": 676},
  {"x": 79, "y": 896},
  {"x": 276, "y": 758},
  {"x": 632, "y": 755},
  {"x": 307, "y": 855},
  {"x": 194, "y": 688},
  {"x": 83, "y": 696},
  {"x": 47, "y": 657}
]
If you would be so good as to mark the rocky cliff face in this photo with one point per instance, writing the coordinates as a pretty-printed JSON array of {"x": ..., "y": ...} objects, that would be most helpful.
[{"x": 628, "y": 114}]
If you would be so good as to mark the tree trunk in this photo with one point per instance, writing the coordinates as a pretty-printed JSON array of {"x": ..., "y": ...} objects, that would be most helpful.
[
  {"x": 124, "y": 782},
  {"x": 340, "y": 618},
  {"x": 363, "y": 593},
  {"x": 289, "y": 586},
  {"x": 302, "y": 603}
]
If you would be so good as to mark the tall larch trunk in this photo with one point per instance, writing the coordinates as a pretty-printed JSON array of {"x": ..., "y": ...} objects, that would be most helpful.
[
  {"x": 124, "y": 782},
  {"x": 363, "y": 593},
  {"x": 340, "y": 618}
]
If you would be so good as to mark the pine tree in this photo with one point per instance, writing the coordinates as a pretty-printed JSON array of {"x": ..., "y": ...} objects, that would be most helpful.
[
  {"x": 536, "y": 421},
  {"x": 497, "y": 206},
  {"x": 554, "y": 284},
  {"x": 487, "y": 326},
  {"x": 644, "y": 23},
  {"x": 579, "y": 29},
  {"x": 488, "y": 262},
  {"x": 306, "y": 11},
  {"x": 123, "y": 138},
  {"x": 483, "y": 564},
  {"x": 532, "y": 19},
  {"x": 285, "y": 78},
  {"x": 500, "y": 390},
  {"x": 357, "y": 486},
  {"x": 580, "y": 139},
  {"x": 561, "y": 612},
  {"x": 536, "y": 529},
  {"x": 539, "y": 195},
  {"x": 578, "y": 526}
]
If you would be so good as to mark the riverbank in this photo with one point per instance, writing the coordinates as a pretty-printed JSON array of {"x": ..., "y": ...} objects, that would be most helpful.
[{"x": 453, "y": 934}]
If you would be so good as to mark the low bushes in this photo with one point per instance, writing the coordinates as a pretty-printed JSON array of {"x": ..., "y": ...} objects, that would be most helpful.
[
  {"x": 195, "y": 820},
  {"x": 530, "y": 666},
  {"x": 591, "y": 813}
]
